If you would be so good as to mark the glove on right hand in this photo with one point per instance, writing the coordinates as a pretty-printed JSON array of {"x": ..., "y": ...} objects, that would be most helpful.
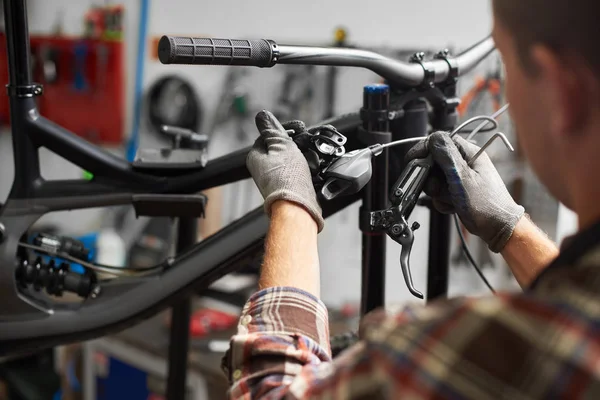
[{"x": 477, "y": 194}]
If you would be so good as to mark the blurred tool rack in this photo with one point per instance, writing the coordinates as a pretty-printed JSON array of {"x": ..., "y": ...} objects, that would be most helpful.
[{"x": 83, "y": 83}]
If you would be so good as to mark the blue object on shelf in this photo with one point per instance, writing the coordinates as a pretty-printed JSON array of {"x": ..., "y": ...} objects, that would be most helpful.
[
  {"x": 81, "y": 52},
  {"x": 122, "y": 382}
]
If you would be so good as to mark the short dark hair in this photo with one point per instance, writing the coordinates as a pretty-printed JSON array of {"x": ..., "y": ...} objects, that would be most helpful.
[{"x": 569, "y": 27}]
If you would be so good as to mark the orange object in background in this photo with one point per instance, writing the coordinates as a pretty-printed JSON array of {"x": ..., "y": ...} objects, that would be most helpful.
[{"x": 491, "y": 85}]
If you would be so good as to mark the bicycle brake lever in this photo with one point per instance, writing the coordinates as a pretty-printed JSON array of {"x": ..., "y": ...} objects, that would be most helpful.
[
  {"x": 404, "y": 196},
  {"x": 406, "y": 239}
]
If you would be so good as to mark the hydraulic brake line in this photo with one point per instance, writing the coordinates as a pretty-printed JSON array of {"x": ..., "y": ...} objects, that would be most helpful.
[
  {"x": 469, "y": 256},
  {"x": 117, "y": 271}
]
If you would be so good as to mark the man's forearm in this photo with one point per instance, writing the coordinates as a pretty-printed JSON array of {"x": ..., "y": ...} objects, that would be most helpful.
[
  {"x": 291, "y": 254},
  {"x": 528, "y": 252}
]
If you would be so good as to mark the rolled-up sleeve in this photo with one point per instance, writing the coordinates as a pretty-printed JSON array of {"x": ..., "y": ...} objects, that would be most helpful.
[{"x": 281, "y": 331}]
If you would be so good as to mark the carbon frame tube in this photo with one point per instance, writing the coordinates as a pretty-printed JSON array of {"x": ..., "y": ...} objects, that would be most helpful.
[
  {"x": 26, "y": 159},
  {"x": 17, "y": 38},
  {"x": 229, "y": 250},
  {"x": 112, "y": 172}
]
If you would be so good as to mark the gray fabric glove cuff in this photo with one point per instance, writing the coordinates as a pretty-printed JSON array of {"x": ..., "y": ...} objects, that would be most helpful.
[
  {"x": 497, "y": 244},
  {"x": 287, "y": 195}
]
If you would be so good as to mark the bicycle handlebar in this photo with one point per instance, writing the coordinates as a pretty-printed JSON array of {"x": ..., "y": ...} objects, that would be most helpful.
[{"x": 266, "y": 53}]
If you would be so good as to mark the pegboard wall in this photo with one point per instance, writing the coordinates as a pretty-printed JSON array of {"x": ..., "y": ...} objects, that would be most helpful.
[{"x": 83, "y": 85}]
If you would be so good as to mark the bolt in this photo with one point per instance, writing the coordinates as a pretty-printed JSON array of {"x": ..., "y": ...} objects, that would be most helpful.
[
  {"x": 417, "y": 57},
  {"x": 398, "y": 192},
  {"x": 396, "y": 229},
  {"x": 95, "y": 292},
  {"x": 415, "y": 226},
  {"x": 169, "y": 262},
  {"x": 444, "y": 53}
]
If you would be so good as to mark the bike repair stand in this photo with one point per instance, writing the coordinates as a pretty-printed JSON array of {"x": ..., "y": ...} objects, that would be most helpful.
[
  {"x": 375, "y": 129},
  {"x": 179, "y": 339},
  {"x": 445, "y": 102}
]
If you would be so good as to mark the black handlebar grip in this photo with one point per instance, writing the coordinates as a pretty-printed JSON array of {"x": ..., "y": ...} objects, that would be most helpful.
[{"x": 207, "y": 51}]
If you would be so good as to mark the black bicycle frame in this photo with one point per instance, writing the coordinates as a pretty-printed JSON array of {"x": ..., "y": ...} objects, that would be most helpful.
[{"x": 30, "y": 321}]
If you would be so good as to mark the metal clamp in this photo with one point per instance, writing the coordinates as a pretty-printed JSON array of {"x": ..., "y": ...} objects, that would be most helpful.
[
  {"x": 25, "y": 91},
  {"x": 453, "y": 74},
  {"x": 429, "y": 78}
]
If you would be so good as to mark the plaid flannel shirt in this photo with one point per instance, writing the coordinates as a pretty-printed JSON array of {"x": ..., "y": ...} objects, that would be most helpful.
[{"x": 543, "y": 343}]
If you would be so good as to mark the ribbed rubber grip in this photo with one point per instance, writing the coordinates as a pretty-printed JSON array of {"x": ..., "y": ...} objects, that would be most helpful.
[{"x": 208, "y": 51}]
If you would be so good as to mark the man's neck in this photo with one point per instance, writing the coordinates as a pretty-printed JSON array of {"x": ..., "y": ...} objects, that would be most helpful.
[
  {"x": 579, "y": 161},
  {"x": 585, "y": 195}
]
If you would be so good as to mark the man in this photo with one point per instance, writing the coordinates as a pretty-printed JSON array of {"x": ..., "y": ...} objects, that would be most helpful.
[{"x": 543, "y": 343}]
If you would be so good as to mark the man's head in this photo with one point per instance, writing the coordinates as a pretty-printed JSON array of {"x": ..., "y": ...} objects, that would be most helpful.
[{"x": 551, "y": 51}]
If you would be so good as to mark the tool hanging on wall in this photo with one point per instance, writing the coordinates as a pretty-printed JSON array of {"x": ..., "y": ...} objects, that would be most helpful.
[
  {"x": 48, "y": 57},
  {"x": 102, "y": 56},
  {"x": 80, "y": 51},
  {"x": 173, "y": 101}
]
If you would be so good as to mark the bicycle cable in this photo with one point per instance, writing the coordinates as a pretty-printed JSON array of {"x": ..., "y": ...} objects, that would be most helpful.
[
  {"x": 107, "y": 269},
  {"x": 488, "y": 120},
  {"x": 402, "y": 141},
  {"x": 467, "y": 252}
]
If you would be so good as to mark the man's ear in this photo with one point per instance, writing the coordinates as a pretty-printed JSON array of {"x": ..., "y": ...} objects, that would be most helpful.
[{"x": 564, "y": 91}]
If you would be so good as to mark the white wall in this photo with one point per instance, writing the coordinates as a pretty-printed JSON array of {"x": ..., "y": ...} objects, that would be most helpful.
[{"x": 398, "y": 24}]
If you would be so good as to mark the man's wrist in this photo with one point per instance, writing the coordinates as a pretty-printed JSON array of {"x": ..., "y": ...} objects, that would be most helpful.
[
  {"x": 291, "y": 257},
  {"x": 528, "y": 251},
  {"x": 288, "y": 209}
]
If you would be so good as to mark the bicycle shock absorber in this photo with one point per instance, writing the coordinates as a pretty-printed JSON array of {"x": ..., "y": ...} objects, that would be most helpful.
[{"x": 55, "y": 279}]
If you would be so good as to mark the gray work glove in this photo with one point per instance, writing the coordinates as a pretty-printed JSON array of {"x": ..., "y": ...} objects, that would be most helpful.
[
  {"x": 477, "y": 194},
  {"x": 280, "y": 170}
]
